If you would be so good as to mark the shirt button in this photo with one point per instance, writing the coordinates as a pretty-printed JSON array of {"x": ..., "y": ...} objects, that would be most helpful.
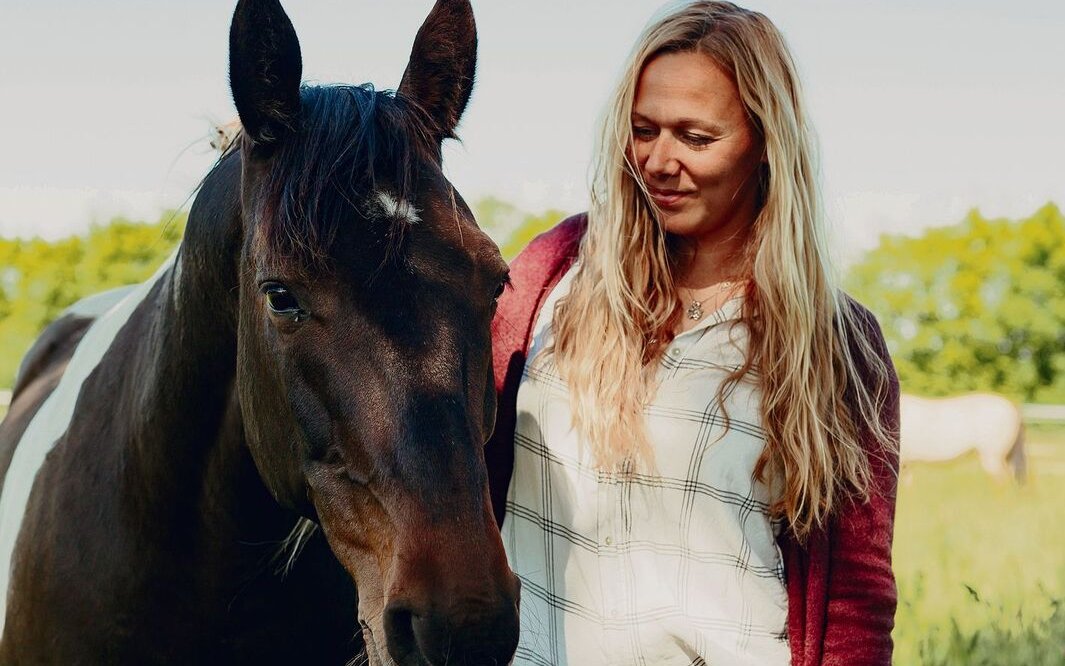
[
  {"x": 675, "y": 352},
  {"x": 608, "y": 541}
]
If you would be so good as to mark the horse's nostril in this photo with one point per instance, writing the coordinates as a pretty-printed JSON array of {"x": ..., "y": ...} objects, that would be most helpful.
[
  {"x": 473, "y": 632},
  {"x": 486, "y": 640},
  {"x": 399, "y": 632}
]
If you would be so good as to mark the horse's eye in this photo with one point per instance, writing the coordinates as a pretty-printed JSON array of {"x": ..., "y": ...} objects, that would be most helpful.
[
  {"x": 501, "y": 288},
  {"x": 282, "y": 302}
]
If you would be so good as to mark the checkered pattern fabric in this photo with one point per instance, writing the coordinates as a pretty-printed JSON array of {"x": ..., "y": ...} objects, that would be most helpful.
[{"x": 679, "y": 567}]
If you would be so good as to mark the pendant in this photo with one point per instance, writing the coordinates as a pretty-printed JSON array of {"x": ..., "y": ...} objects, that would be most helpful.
[{"x": 695, "y": 311}]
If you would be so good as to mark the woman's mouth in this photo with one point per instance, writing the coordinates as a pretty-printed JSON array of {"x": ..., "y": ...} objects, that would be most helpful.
[{"x": 667, "y": 198}]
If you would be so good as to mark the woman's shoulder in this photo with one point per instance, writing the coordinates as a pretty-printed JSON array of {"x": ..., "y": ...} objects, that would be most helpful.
[
  {"x": 558, "y": 244},
  {"x": 532, "y": 274},
  {"x": 862, "y": 332},
  {"x": 862, "y": 315},
  {"x": 542, "y": 262},
  {"x": 876, "y": 372}
]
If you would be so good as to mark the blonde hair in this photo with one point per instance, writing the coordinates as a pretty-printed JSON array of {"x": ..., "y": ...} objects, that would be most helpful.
[{"x": 613, "y": 325}]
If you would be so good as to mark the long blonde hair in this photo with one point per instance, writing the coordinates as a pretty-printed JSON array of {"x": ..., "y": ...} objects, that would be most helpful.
[{"x": 611, "y": 328}]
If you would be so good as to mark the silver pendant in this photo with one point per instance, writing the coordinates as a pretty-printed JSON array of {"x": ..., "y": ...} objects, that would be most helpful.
[{"x": 695, "y": 311}]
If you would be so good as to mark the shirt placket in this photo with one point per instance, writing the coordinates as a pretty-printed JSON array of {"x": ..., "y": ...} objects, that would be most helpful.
[{"x": 612, "y": 580}]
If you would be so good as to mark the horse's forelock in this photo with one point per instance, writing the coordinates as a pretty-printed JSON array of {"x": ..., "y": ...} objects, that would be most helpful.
[{"x": 354, "y": 144}]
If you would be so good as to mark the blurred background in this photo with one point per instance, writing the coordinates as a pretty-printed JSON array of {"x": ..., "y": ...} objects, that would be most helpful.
[{"x": 943, "y": 172}]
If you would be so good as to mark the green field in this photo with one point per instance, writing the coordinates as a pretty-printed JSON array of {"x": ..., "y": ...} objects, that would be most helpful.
[{"x": 981, "y": 564}]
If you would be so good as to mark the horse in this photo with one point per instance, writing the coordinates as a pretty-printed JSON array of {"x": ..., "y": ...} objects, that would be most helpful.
[
  {"x": 940, "y": 429},
  {"x": 271, "y": 452}
]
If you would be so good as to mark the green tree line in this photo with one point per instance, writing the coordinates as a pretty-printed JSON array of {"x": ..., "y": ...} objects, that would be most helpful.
[
  {"x": 39, "y": 279},
  {"x": 978, "y": 305}
]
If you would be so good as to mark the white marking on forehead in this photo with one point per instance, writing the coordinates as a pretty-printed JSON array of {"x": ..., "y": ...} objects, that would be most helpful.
[
  {"x": 54, "y": 416},
  {"x": 398, "y": 208}
]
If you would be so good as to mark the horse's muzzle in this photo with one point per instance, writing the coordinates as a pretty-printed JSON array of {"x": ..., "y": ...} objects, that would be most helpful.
[{"x": 475, "y": 635}]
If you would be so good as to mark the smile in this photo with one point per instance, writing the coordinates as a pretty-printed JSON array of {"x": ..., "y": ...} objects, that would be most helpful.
[{"x": 667, "y": 198}]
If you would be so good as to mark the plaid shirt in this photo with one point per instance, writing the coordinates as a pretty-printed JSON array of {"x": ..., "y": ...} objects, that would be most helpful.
[
  {"x": 676, "y": 567},
  {"x": 841, "y": 590}
]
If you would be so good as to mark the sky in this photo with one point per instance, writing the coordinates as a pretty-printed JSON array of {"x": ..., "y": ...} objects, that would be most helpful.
[{"x": 923, "y": 109}]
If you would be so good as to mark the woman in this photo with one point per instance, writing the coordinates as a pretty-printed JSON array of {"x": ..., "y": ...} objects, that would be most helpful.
[{"x": 702, "y": 428}]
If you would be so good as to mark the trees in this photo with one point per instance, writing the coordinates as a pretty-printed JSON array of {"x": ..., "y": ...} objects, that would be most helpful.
[
  {"x": 531, "y": 226},
  {"x": 511, "y": 228},
  {"x": 38, "y": 279},
  {"x": 976, "y": 306}
]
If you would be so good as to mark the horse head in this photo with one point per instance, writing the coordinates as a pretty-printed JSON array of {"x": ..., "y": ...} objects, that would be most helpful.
[{"x": 364, "y": 366}]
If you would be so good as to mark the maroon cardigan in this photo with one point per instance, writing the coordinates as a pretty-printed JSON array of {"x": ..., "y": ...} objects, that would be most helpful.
[{"x": 841, "y": 590}]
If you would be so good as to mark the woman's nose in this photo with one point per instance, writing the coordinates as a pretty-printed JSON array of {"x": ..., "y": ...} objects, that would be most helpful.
[{"x": 661, "y": 159}]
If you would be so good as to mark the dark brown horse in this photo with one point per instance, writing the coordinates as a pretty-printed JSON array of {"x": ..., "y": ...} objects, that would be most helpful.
[{"x": 315, "y": 354}]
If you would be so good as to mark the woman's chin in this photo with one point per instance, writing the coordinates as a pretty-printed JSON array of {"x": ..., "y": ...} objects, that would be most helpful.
[{"x": 686, "y": 222}]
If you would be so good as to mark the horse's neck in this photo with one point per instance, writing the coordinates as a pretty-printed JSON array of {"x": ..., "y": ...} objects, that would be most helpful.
[{"x": 186, "y": 441}]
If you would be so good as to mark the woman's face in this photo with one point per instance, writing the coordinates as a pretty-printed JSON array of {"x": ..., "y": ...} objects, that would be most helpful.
[{"x": 698, "y": 151}]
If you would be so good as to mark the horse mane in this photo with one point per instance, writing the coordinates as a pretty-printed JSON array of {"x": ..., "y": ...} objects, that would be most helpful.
[{"x": 353, "y": 141}]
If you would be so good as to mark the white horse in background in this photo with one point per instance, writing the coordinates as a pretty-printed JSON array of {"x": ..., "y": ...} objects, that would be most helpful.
[{"x": 939, "y": 429}]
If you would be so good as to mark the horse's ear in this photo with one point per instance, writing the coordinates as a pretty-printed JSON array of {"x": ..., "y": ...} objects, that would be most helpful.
[
  {"x": 439, "y": 76},
  {"x": 265, "y": 68}
]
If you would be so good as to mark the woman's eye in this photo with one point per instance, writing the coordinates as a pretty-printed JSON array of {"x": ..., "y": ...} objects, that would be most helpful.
[
  {"x": 643, "y": 132},
  {"x": 698, "y": 139}
]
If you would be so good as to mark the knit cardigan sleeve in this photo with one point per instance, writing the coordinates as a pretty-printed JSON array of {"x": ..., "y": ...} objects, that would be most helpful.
[{"x": 861, "y": 594}]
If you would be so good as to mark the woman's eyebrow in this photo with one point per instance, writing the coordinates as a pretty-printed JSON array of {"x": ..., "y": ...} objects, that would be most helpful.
[
  {"x": 688, "y": 123},
  {"x": 693, "y": 123}
]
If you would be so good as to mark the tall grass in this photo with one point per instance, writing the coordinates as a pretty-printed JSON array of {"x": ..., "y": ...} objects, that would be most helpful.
[{"x": 981, "y": 564}]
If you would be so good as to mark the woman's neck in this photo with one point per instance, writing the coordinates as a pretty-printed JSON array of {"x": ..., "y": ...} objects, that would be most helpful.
[{"x": 705, "y": 262}]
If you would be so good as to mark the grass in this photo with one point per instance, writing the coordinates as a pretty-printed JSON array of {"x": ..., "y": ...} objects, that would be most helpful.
[{"x": 980, "y": 564}]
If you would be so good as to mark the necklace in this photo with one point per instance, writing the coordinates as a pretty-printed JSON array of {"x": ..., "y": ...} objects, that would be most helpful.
[{"x": 695, "y": 308}]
